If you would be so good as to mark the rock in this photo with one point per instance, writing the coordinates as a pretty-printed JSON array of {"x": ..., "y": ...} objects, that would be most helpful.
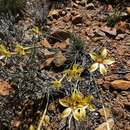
[
  {"x": 121, "y": 26},
  {"x": 47, "y": 62},
  {"x": 83, "y": 2},
  {"x": 59, "y": 59},
  {"x": 128, "y": 10},
  {"x": 121, "y": 50},
  {"x": 127, "y": 76},
  {"x": 75, "y": 5},
  {"x": 110, "y": 31},
  {"x": 120, "y": 84},
  {"x": 103, "y": 126},
  {"x": 77, "y": 19},
  {"x": 62, "y": 45},
  {"x": 112, "y": 77},
  {"x": 45, "y": 43},
  {"x": 120, "y": 36},
  {"x": 5, "y": 88},
  {"x": 90, "y": 6},
  {"x": 99, "y": 33},
  {"x": 53, "y": 14},
  {"x": 59, "y": 35},
  {"x": 128, "y": 97},
  {"x": 107, "y": 110},
  {"x": 48, "y": 54},
  {"x": 128, "y": 63},
  {"x": 67, "y": 18}
]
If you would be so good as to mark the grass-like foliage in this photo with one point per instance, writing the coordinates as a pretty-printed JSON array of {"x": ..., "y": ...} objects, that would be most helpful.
[
  {"x": 12, "y": 5},
  {"x": 77, "y": 43}
]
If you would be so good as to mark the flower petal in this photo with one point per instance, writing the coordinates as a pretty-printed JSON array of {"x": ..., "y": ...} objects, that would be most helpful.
[
  {"x": 64, "y": 102},
  {"x": 79, "y": 114},
  {"x": 88, "y": 99},
  {"x": 57, "y": 84},
  {"x": 103, "y": 69},
  {"x": 66, "y": 112},
  {"x": 75, "y": 66},
  {"x": 91, "y": 107},
  {"x": 93, "y": 56},
  {"x": 1, "y": 57},
  {"x": 94, "y": 67},
  {"x": 104, "y": 53},
  {"x": 108, "y": 61},
  {"x": 76, "y": 95}
]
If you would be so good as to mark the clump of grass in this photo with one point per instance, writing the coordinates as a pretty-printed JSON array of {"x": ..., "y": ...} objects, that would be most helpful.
[
  {"x": 12, "y": 5},
  {"x": 76, "y": 48},
  {"x": 77, "y": 44},
  {"x": 113, "y": 18}
]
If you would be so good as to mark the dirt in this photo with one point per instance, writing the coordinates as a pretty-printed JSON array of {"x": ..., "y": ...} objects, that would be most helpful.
[{"x": 81, "y": 28}]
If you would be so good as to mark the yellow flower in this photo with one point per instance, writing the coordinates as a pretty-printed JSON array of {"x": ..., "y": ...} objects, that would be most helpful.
[
  {"x": 73, "y": 73},
  {"x": 36, "y": 31},
  {"x": 57, "y": 84},
  {"x": 76, "y": 105},
  {"x": 101, "y": 60},
  {"x": 4, "y": 54},
  {"x": 20, "y": 50},
  {"x": 31, "y": 127}
]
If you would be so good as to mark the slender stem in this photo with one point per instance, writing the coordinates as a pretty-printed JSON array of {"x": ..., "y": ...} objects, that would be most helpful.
[
  {"x": 62, "y": 77},
  {"x": 70, "y": 121},
  {"x": 100, "y": 97},
  {"x": 44, "y": 113}
]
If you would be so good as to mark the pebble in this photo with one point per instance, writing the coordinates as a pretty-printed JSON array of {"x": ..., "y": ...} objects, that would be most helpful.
[
  {"x": 77, "y": 19},
  {"x": 90, "y": 6},
  {"x": 103, "y": 126},
  {"x": 120, "y": 84},
  {"x": 127, "y": 76}
]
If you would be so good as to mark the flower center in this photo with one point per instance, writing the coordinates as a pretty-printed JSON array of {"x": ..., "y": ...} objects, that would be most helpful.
[{"x": 99, "y": 60}]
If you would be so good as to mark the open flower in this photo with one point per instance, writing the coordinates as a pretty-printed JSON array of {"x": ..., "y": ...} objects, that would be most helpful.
[
  {"x": 74, "y": 72},
  {"x": 57, "y": 84},
  {"x": 36, "y": 31},
  {"x": 4, "y": 53},
  {"x": 101, "y": 61},
  {"x": 20, "y": 50},
  {"x": 76, "y": 105}
]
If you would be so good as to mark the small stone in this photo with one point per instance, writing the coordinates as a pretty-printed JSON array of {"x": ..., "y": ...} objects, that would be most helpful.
[
  {"x": 45, "y": 43},
  {"x": 121, "y": 50},
  {"x": 127, "y": 76},
  {"x": 104, "y": 111},
  {"x": 77, "y": 19},
  {"x": 100, "y": 33},
  {"x": 120, "y": 36},
  {"x": 110, "y": 31},
  {"x": 47, "y": 63},
  {"x": 90, "y": 6},
  {"x": 67, "y": 18},
  {"x": 75, "y": 5},
  {"x": 120, "y": 84},
  {"x": 48, "y": 54},
  {"x": 128, "y": 10},
  {"x": 112, "y": 77},
  {"x": 83, "y": 2},
  {"x": 128, "y": 63},
  {"x": 5, "y": 88},
  {"x": 59, "y": 34},
  {"x": 128, "y": 97},
  {"x": 103, "y": 126},
  {"x": 59, "y": 59}
]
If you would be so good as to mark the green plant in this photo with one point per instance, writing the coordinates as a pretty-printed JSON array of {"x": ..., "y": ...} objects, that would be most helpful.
[
  {"x": 76, "y": 105},
  {"x": 77, "y": 43},
  {"x": 12, "y": 5},
  {"x": 101, "y": 60}
]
